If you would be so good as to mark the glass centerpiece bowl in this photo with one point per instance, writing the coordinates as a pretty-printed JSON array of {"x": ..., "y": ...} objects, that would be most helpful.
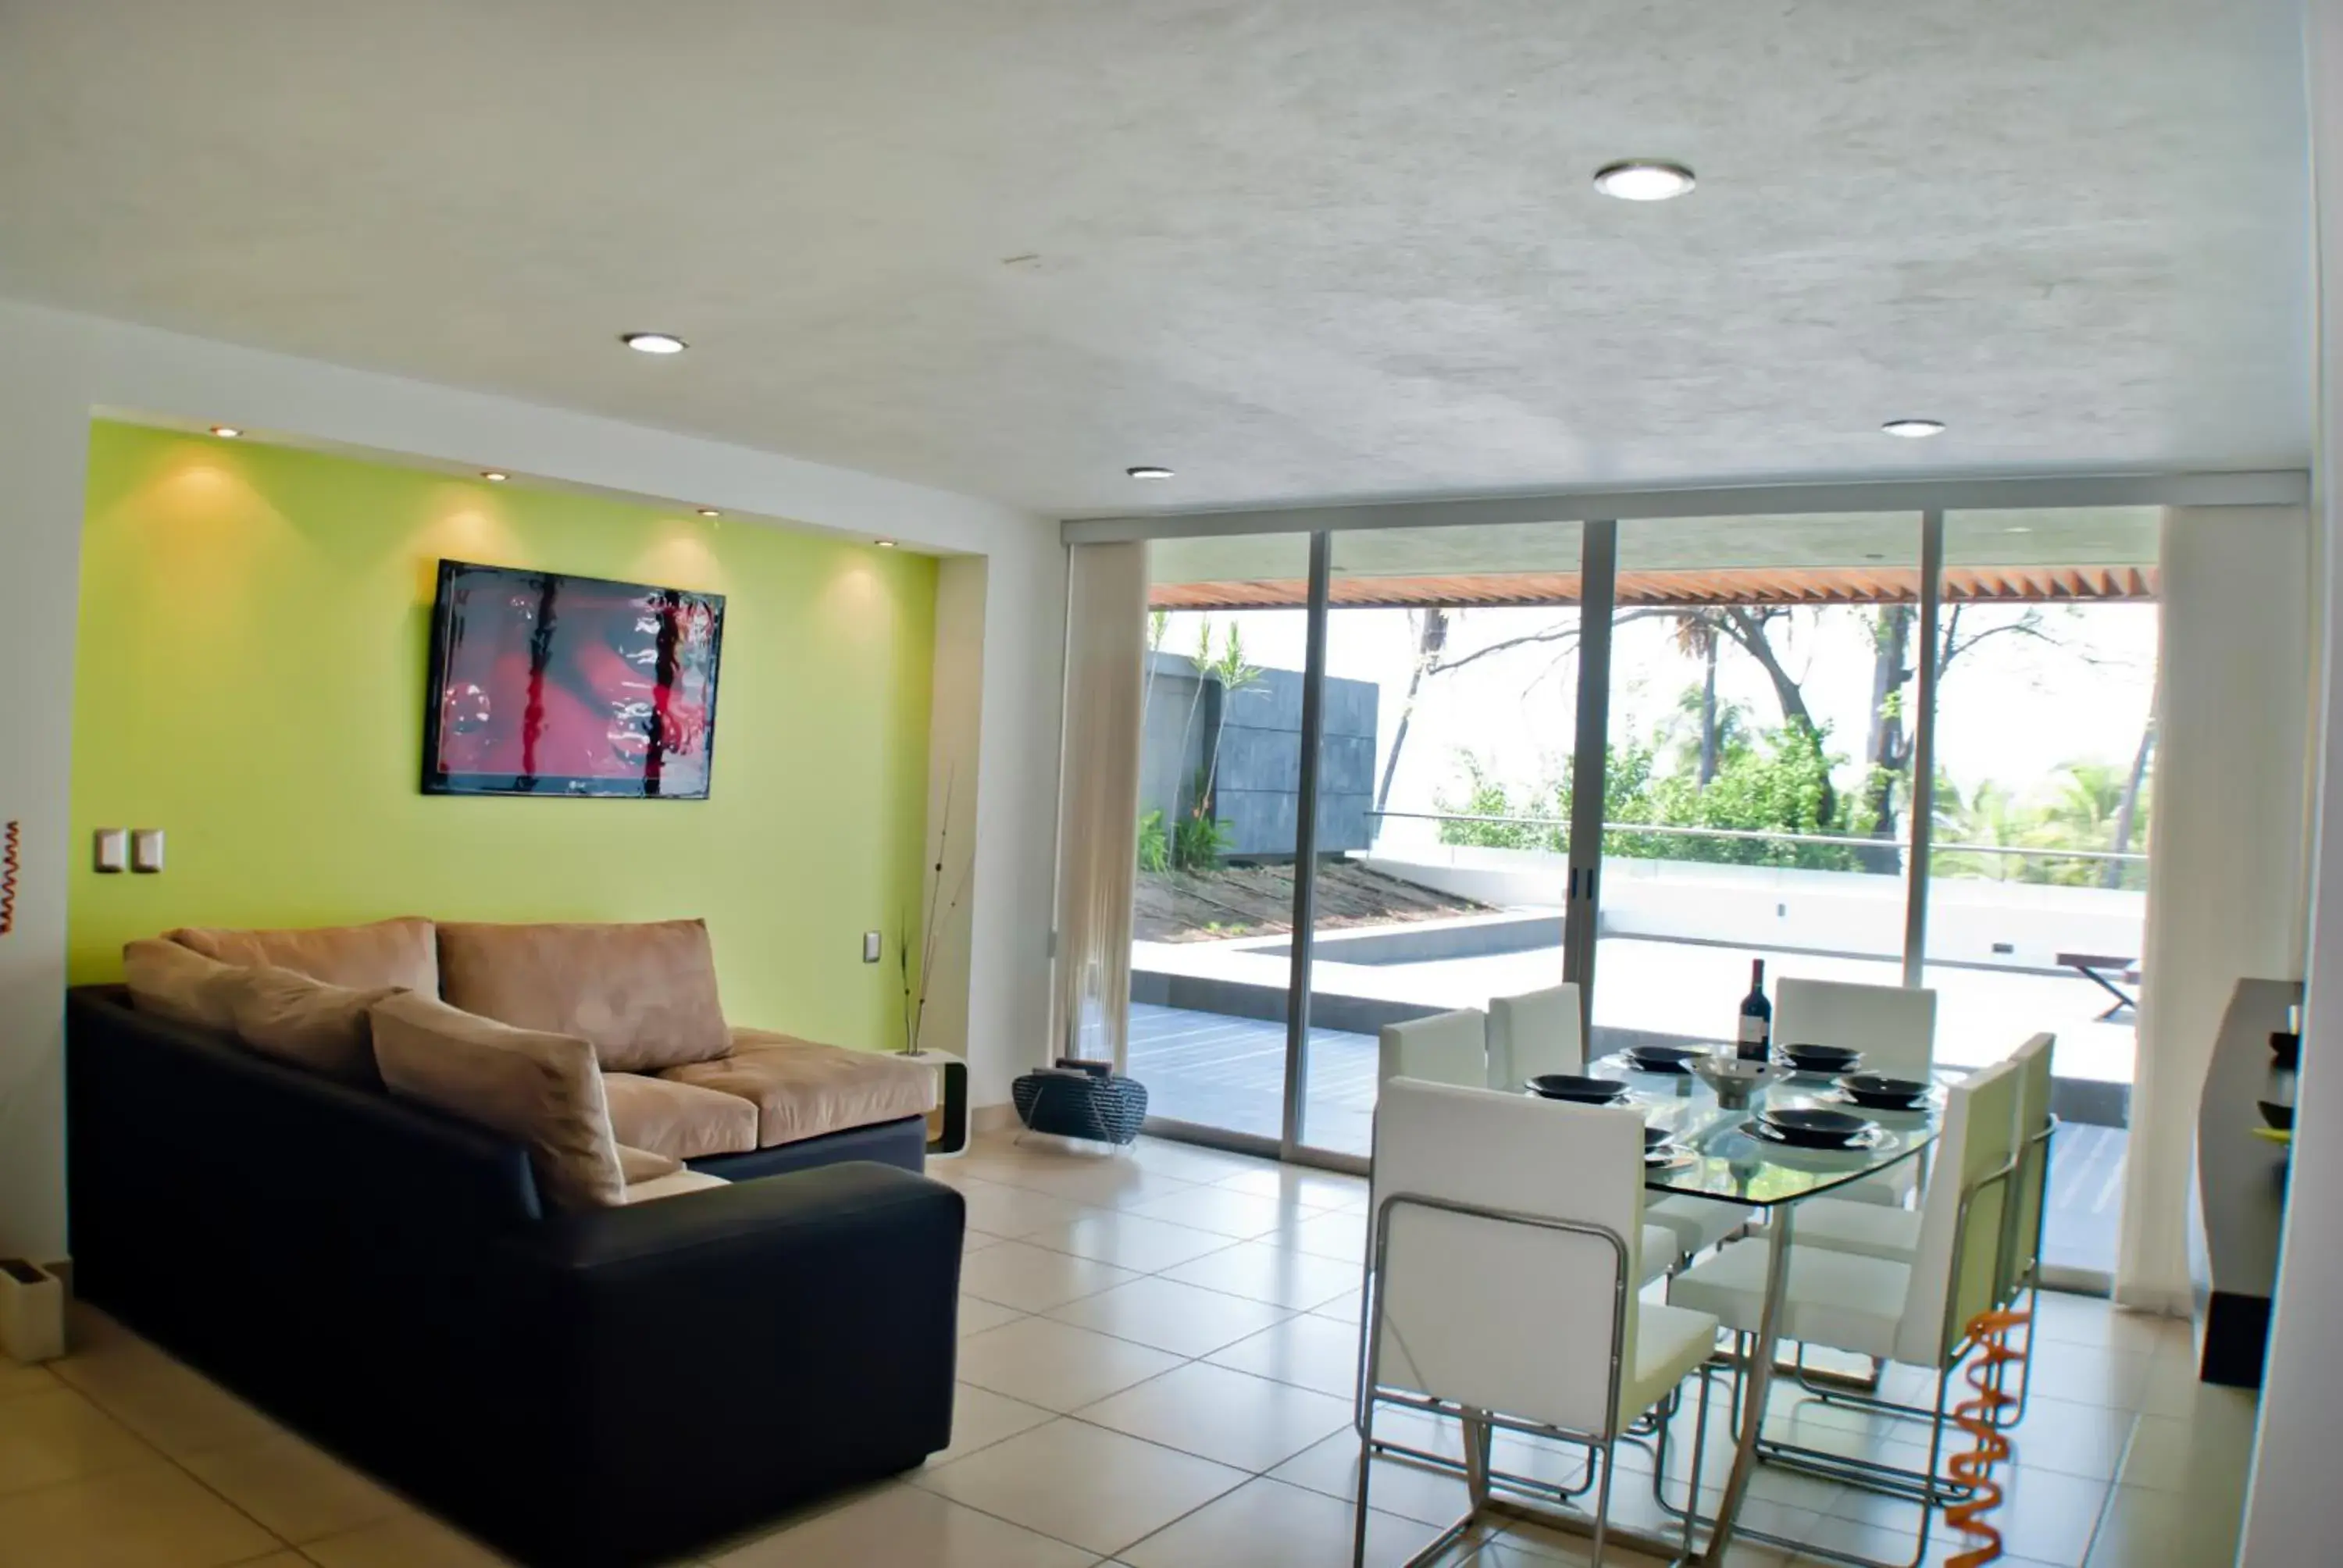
[{"x": 1733, "y": 1079}]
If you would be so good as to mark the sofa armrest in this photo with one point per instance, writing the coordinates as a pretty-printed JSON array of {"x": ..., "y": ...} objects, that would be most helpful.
[{"x": 807, "y": 1320}]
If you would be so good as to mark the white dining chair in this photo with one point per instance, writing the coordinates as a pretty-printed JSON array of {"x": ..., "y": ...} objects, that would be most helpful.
[
  {"x": 1505, "y": 1232},
  {"x": 1445, "y": 1048},
  {"x": 1894, "y": 1026},
  {"x": 1914, "y": 1312},
  {"x": 1534, "y": 1032}
]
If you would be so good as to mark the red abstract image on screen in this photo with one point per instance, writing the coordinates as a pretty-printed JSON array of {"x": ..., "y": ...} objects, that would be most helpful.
[{"x": 545, "y": 684}]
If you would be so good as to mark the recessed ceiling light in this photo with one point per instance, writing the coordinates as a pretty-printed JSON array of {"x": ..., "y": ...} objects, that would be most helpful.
[
  {"x": 1148, "y": 471},
  {"x": 2018, "y": 528},
  {"x": 709, "y": 512},
  {"x": 654, "y": 342},
  {"x": 1643, "y": 180},
  {"x": 1915, "y": 429},
  {"x": 884, "y": 544},
  {"x": 226, "y": 432},
  {"x": 493, "y": 477}
]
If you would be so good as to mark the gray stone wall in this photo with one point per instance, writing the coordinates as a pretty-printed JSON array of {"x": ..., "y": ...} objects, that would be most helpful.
[{"x": 1261, "y": 757}]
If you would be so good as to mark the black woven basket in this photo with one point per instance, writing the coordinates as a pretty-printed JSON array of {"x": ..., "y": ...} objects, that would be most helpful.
[{"x": 1078, "y": 1105}]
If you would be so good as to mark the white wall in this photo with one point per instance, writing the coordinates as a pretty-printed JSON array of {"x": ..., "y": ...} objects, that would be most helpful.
[
  {"x": 2293, "y": 1509},
  {"x": 55, "y": 369}
]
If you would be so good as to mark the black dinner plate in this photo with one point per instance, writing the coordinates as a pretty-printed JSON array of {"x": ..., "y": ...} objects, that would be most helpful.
[
  {"x": 1814, "y": 1128},
  {"x": 1654, "y": 1137},
  {"x": 1659, "y": 1057},
  {"x": 1882, "y": 1092},
  {"x": 1822, "y": 1057},
  {"x": 1571, "y": 1086}
]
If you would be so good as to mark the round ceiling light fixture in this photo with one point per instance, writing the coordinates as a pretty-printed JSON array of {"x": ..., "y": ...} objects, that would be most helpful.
[
  {"x": 495, "y": 476},
  {"x": 226, "y": 432},
  {"x": 1915, "y": 429},
  {"x": 654, "y": 342},
  {"x": 884, "y": 544},
  {"x": 1148, "y": 471},
  {"x": 1643, "y": 179},
  {"x": 709, "y": 512}
]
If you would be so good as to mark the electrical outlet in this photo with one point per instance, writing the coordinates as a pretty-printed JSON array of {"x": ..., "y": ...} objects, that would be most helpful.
[{"x": 870, "y": 947}]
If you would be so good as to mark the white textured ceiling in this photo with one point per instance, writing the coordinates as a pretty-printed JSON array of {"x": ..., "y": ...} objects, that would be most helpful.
[{"x": 1293, "y": 250}]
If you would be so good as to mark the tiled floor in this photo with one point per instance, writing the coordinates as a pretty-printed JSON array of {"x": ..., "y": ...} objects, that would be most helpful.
[{"x": 1156, "y": 1354}]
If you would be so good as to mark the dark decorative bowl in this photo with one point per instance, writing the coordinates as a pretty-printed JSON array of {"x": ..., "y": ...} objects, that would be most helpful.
[
  {"x": 1654, "y": 1137},
  {"x": 1659, "y": 1057},
  {"x": 2285, "y": 1048},
  {"x": 1571, "y": 1086},
  {"x": 1831, "y": 1059},
  {"x": 1814, "y": 1128},
  {"x": 2279, "y": 1116},
  {"x": 1881, "y": 1092},
  {"x": 1071, "y": 1104}
]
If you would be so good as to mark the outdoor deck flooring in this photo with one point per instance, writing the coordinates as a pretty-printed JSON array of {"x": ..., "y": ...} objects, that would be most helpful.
[{"x": 1228, "y": 1073}]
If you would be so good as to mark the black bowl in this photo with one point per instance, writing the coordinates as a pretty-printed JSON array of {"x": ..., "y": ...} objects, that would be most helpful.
[
  {"x": 2285, "y": 1048},
  {"x": 1659, "y": 1057},
  {"x": 1882, "y": 1092},
  {"x": 2279, "y": 1116},
  {"x": 1571, "y": 1086},
  {"x": 1654, "y": 1137},
  {"x": 1822, "y": 1057},
  {"x": 1814, "y": 1128}
]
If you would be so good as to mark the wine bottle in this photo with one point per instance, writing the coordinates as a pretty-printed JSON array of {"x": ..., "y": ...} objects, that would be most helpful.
[{"x": 1757, "y": 1014}]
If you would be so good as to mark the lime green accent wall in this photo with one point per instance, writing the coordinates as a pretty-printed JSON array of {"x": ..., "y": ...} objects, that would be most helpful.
[{"x": 249, "y": 671}]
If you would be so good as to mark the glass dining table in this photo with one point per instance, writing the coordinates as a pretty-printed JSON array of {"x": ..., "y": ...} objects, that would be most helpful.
[{"x": 1713, "y": 1151}]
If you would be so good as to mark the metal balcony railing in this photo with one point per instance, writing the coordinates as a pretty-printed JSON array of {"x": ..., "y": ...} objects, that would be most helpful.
[{"x": 1842, "y": 840}]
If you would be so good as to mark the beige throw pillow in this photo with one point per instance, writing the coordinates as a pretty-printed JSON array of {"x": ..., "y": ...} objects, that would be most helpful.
[
  {"x": 645, "y": 995},
  {"x": 400, "y": 952},
  {"x": 542, "y": 1089},
  {"x": 307, "y": 1022},
  {"x": 180, "y": 984}
]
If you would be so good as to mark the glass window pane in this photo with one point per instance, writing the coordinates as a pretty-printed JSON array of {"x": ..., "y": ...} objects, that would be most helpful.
[{"x": 2045, "y": 761}]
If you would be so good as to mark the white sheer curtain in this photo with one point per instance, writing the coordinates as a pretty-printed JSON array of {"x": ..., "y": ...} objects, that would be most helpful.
[
  {"x": 1098, "y": 833},
  {"x": 2226, "y": 846}
]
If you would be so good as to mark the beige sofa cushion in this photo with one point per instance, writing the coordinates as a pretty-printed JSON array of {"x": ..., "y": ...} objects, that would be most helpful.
[
  {"x": 678, "y": 1119},
  {"x": 801, "y": 1090},
  {"x": 399, "y": 952},
  {"x": 541, "y": 1088},
  {"x": 180, "y": 984},
  {"x": 306, "y": 1022},
  {"x": 673, "y": 1186},
  {"x": 644, "y": 995},
  {"x": 642, "y": 1165}
]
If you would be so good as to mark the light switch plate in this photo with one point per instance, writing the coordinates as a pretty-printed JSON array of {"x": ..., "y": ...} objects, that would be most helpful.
[
  {"x": 146, "y": 849},
  {"x": 112, "y": 850},
  {"x": 870, "y": 947}
]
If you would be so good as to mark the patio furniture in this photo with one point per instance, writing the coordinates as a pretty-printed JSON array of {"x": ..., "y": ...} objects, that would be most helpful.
[
  {"x": 1505, "y": 1234},
  {"x": 2093, "y": 968},
  {"x": 1914, "y": 1312}
]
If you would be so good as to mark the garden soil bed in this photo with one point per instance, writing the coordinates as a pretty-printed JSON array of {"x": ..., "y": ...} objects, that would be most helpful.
[{"x": 1258, "y": 901}]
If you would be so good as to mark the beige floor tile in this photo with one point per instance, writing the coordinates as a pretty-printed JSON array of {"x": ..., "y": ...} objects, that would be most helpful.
[
  {"x": 169, "y": 1405},
  {"x": 153, "y": 1515},
  {"x": 1269, "y": 1524},
  {"x": 977, "y": 1314},
  {"x": 1228, "y": 1416},
  {"x": 1309, "y": 1352},
  {"x": 1298, "y": 1185},
  {"x": 288, "y": 1558},
  {"x": 17, "y": 1378},
  {"x": 408, "y": 1538},
  {"x": 2144, "y": 1528},
  {"x": 975, "y": 1242},
  {"x": 1056, "y": 1365},
  {"x": 1239, "y": 1216},
  {"x": 1418, "y": 1492},
  {"x": 981, "y": 1418},
  {"x": 1097, "y": 1181},
  {"x": 1271, "y": 1275},
  {"x": 1191, "y": 1163},
  {"x": 1341, "y": 1234},
  {"x": 294, "y": 1488},
  {"x": 46, "y": 1437},
  {"x": 1185, "y": 1320},
  {"x": 1035, "y": 1279},
  {"x": 1011, "y": 1211},
  {"x": 1129, "y": 1242},
  {"x": 1081, "y": 1483},
  {"x": 901, "y": 1526},
  {"x": 1346, "y": 1308},
  {"x": 2092, "y": 1374},
  {"x": 2071, "y": 1439},
  {"x": 2207, "y": 1457}
]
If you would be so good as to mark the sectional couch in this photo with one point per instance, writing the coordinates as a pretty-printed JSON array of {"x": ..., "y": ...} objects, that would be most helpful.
[{"x": 315, "y": 1172}]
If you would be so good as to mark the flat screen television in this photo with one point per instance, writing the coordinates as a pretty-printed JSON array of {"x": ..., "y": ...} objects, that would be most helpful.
[{"x": 546, "y": 684}]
